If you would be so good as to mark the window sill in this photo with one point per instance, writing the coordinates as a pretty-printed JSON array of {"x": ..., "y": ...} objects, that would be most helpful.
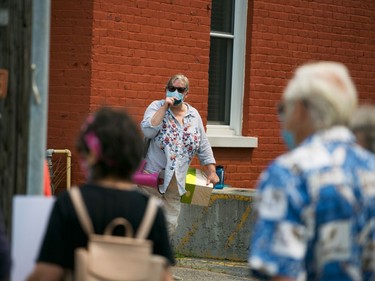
[
  {"x": 223, "y": 136},
  {"x": 233, "y": 141}
]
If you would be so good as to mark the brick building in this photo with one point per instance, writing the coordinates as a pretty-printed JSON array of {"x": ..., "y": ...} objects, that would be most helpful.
[{"x": 237, "y": 54}]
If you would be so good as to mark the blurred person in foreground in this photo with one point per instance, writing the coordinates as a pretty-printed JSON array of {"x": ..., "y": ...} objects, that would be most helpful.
[
  {"x": 111, "y": 148},
  {"x": 4, "y": 252},
  {"x": 363, "y": 126},
  {"x": 177, "y": 134},
  {"x": 315, "y": 218}
]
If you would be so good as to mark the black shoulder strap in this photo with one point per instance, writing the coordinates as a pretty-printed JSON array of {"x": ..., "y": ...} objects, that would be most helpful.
[{"x": 146, "y": 145}]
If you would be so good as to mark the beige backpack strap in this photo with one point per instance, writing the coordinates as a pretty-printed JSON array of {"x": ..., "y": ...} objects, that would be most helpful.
[
  {"x": 148, "y": 218},
  {"x": 79, "y": 206}
]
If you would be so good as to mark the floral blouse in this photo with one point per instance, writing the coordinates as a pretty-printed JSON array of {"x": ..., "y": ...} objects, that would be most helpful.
[{"x": 174, "y": 145}]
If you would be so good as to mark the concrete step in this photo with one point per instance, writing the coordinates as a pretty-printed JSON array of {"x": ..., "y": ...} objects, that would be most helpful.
[{"x": 219, "y": 231}]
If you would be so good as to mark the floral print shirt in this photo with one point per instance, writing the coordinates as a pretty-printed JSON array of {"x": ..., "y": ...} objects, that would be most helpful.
[
  {"x": 316, "y": 212},
  {"x": 174, "y": 145}
]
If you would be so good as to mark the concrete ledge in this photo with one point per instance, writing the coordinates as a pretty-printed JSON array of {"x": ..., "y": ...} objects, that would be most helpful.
[
  {"x": 239, "y": 269},
  {"x": 219, "y": 231}
]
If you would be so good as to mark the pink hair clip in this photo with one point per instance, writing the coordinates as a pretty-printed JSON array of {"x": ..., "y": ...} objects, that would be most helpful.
[
  {"x": 93, "y": 143},
  {"x": 89, "y": 120}
]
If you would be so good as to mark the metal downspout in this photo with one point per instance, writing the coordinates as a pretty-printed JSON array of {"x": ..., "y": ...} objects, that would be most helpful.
[{"x": 39, "y": 95}]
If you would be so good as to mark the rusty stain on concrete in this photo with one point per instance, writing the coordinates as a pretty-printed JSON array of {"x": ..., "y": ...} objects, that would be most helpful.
[
  {"x": 194, "y": 226},
  {"x": 238, "y": 227}
]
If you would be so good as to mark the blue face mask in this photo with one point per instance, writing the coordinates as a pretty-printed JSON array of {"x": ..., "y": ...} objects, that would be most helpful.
[
  {"x": 179, "y": 97},
  {"x": 289, "y": 139}
]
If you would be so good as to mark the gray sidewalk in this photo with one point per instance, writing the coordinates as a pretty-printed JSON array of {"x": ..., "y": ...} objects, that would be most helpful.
[{"x": 197, "y": 269}]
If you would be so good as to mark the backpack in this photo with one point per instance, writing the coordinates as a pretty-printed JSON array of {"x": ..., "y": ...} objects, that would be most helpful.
[{"x": 117, "y": 258}]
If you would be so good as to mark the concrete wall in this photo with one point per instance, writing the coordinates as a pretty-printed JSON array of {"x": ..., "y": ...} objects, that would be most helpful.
[{"x": 222, "y": 230}]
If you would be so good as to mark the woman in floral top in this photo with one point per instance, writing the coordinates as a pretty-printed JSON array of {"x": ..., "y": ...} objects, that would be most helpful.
[{"x": 177, "y": 135}]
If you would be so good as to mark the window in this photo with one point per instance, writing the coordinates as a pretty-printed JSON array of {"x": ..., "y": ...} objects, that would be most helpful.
[
  {"x": 226, "y": 74},
  {"x": 221, "y": 57}
]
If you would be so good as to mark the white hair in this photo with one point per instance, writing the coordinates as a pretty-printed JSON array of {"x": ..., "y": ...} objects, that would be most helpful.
[{"x": 328, "y": 91}]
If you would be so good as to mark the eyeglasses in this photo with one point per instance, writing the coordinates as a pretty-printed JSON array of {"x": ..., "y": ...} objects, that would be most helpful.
[
  {"x": 281, "y": 108},
  {"x": 179, "y": 89}
]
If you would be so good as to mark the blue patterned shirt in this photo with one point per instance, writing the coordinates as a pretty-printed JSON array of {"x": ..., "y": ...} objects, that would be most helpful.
[
  {"x": 316, "y": 212},
  {"x": 174, "y": 145}
]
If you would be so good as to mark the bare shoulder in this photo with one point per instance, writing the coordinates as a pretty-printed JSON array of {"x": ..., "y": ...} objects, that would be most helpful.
[{"x": 46, "y": 272}]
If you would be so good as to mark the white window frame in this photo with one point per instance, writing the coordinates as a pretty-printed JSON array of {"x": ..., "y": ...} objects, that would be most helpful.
[{"x": 231, "y": 135}]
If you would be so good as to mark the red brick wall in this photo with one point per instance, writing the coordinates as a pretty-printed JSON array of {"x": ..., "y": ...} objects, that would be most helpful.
[
  {"x": 137, "y": 45},
  {"x": 70, "y": 75},
  {"x": 285, "y": 34}
]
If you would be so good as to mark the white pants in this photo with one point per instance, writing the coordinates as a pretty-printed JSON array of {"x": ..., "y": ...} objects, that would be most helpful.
[{"x": 171, "y": 203}]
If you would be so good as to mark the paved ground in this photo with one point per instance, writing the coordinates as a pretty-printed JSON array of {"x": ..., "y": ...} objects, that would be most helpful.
[
  {"x": 197, "y": 269},
  {"x": 189, "y": 274}
]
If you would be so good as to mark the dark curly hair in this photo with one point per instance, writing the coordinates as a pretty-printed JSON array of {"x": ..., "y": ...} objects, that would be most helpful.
[{"x": 113, "y": 136}]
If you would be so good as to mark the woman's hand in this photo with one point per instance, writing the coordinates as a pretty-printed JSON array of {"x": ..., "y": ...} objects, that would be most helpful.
[
  {"x": 212, "y": 178},
  {"x": 211, "y": 174},
  {"x": 160, "y": 113},
  {"x": 169, "y": 102},
  {"x": 168, "y": 276}
]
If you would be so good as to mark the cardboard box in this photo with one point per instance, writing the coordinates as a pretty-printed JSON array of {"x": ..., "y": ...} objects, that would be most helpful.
[{"x": 197, "y": 192}]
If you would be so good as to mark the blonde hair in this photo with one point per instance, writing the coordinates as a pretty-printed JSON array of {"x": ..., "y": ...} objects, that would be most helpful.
[
  {"x": 328, "y": 90},
  {"x": 178, "y": 77}
]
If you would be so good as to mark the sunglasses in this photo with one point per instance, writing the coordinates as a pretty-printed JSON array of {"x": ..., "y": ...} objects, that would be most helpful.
[
  {"x": 281, "y": 111},
  {"x": 281, "y": 108},
  {"x": 179, "y": 89}
]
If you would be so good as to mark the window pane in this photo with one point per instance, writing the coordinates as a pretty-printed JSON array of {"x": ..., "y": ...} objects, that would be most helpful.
[
  {"x": 220, "y": 75},
  {"x": 222, "y": 16}
]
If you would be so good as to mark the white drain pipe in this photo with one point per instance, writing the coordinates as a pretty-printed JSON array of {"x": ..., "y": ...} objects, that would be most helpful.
[{"x": 39, "y": 96}]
